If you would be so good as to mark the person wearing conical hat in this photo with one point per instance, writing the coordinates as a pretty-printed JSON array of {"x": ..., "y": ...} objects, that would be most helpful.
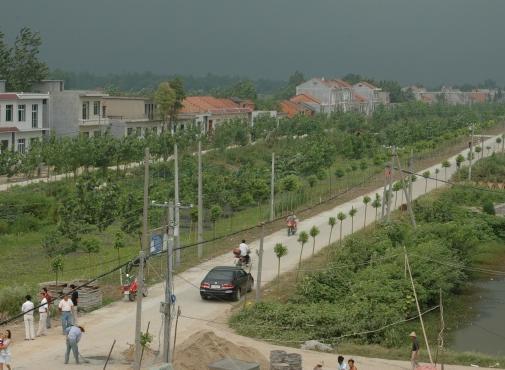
[{"x": 415, "y": 350}]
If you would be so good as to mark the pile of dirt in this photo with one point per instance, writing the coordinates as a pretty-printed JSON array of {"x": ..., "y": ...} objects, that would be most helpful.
[{"x": 204, "y": 348}]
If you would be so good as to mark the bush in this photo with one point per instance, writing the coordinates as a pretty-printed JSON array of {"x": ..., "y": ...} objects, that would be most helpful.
[
  {"x": 488, "y": 207},
  {"x": 26, "y": 223},
  {"x": 11, "y": 299}
]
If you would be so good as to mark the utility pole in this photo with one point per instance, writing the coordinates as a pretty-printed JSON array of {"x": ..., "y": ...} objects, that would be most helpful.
[
  {"x": 260, "y": 264},
  {"x": 470, "y": 155},
  {"x": 387, "y": 173},
  {"x": 200, "y": 201},
  {"x": 167, "y": 305},
  {"x": 145, "y": 249},
  {"x": 138, "y": 317},
  {"x": 272, "y": 189},
  {"x": 411, "y": 170},
  {"x": 407, "y": 196},
  {"x": 176, "y": 189},
  {"x": 390, "y": 187},
  {"x": 417, "y": 305}
]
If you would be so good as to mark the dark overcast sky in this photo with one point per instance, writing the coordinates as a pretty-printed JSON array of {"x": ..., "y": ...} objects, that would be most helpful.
[{"x": 429, "y": 41}]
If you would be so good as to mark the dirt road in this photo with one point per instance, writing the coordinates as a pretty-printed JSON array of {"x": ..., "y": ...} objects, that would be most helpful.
[{"x": 116, "y": 321}]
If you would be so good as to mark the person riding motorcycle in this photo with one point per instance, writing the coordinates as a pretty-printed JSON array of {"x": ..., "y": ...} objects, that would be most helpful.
[
  {"x": 291, "y": 222},
  {"x": 243, "y": 253}
]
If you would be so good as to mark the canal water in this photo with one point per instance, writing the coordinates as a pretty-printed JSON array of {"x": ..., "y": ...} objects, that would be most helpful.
[{"x": 486, "y": 332}]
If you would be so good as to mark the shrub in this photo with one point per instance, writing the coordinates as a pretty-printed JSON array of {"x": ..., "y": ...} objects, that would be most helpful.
[
  {"x": 11, "y": 299},
  {"x": 488, "y": 207}
]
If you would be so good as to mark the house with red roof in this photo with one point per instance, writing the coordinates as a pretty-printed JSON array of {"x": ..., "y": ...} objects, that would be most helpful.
[
  {"x": 332, "y": 95},
  {"x": 23, "y": 119},
  {"x": 207, "y": 112},
  {"x": 368, "y": 97}
]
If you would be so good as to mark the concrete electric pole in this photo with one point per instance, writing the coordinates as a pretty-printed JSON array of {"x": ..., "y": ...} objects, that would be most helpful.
[
  {"x": 200, "y": 201},
  {"x": 272, "y": 190},
  {"x": 176, "y": 189}
]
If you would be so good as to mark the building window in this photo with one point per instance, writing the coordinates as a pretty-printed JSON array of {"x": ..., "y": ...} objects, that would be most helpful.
[
  {"x": 97, "y": 133},
  {"x": 129, "y": 131},
  {"x": 21, "y": 113},
  {"x": 138, "y": 131},
  {"x": 35, "y": 115},
  {"x": 104, "y": 111},
  {"x": 85, "y": 110},
  {"x": 85, "y": 134},
  {"x": 155, "y": 130},
  {"x": 96, "y": 108},
  {"x": 21, "y": 145},
  {"x": 8, "y": 113}
]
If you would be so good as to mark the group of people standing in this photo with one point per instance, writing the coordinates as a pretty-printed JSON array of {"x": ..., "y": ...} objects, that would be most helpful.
[
  {"x": 67, "y": 307},
  {"x": 341, "y": 365},
  {"x": 68, "y": 312}
]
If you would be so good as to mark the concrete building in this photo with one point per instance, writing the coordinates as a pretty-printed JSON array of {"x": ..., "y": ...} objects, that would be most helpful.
[
  {"x": 367, "y": 97},
  {"x": 94, "y": 113},
  {"x": 333, "y": 95},
  {"x": 207, "y": 112},
  {"x": 451, "y": 96},
  {"x": 23, "y": 120}
]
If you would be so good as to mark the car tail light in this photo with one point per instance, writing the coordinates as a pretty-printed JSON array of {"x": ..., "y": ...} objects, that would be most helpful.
[
  {"x": 205, "y": 285},
  {"x": 227, "y": 286}
]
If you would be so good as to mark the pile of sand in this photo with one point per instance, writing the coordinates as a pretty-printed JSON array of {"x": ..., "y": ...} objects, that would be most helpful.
[{"x": 204, "y": 348}]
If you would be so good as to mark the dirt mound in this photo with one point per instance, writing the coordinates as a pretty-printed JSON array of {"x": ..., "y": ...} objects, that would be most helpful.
[{"x": 204, "y": 348}]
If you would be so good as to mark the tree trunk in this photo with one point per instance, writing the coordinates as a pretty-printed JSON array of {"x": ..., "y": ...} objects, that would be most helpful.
[
  {"x": 299, "y": 262},
  {"x": 364, "y": 222},
  {"x": 426, "y": 186},
  {"x": 278, "y": 275},
  {"x": 352, "y": 225},
  {"x": 340, "y": 242},
  {"x": 329, "y": 239},
  {"x": 313, "y": 245},
  {"x": 396, "y": 198}
]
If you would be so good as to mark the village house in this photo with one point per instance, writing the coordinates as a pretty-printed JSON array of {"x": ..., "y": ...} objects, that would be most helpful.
[
  {"x": 451, "y": 96},
  {"x": 332, "y": 95},
  {"x": 367, "y": 97},
  {"x": 206, "y": 112},
  {"x": 23, "y": 119}
]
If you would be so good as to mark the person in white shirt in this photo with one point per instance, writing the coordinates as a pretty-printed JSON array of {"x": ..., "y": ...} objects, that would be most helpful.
[
  {"x": 27, "y": 309},
  {"x": 5, "y": 350},
  {"x": 65, "y": 307},
  {"x": 43, "y": 308},
  {"x": 244, "y": 252}
]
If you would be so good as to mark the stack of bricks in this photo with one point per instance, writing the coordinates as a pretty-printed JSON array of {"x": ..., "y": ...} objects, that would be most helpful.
[{"x": 281, "y": 360}]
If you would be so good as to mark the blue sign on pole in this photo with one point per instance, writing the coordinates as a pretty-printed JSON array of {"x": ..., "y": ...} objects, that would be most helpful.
[{"x": 156, "y": 243}]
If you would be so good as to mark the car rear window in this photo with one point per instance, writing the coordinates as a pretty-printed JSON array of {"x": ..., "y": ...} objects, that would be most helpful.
[{"x": 220, "y": 275}]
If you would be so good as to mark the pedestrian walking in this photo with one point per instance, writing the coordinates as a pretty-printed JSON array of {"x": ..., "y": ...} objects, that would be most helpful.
[
  {"x": 74, "y": 334},
  {"x": 49, "y": 299},
  {"x": 414, "y": 354},
  {"x": 5, "y": 350},
  {"x": 75, "y": 301},
  {"x": 341, "y": 364},
  {"x": 27, "y": 308},
  {"x": 351, "y": 364},
  {"x": 43, "y": 308},
  {"x": 65, "y": 307}
]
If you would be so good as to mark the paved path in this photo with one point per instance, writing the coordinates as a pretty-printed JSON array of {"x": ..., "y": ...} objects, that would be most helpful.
[{"x": 116, "y": 321}]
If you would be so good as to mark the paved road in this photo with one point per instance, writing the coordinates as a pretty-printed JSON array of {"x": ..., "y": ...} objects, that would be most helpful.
[{"x": 116, "y": 321}]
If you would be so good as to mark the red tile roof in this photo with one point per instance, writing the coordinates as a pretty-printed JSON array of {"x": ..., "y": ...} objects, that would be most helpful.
[
  {"x": 367, "y": 84},
  {"x": 359, "y": 98},
  {"x": 9, "y": 129},
  {"x": 478, "y": 97},
  {"x": 304, "y": 98},
  {"x": 336, "y": 83},
  {"x": 206, "y": 104},
  {"x": 8, "y": 96}
]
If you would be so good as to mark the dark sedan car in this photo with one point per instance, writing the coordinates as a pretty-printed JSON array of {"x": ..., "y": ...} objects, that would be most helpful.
[{"x": 226, "y": 281}]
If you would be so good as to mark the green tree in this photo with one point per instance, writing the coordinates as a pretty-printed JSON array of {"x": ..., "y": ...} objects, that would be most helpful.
[
  {"x": 303, "y": 237},
  {"x": 5, "y": 54},
  {"x": 25, "y": 64},
  {"x": 352, "y": 213},
  {"x": 280, "y": 251},
  {"x": 119, "y": 243},
  {"x": 437, "y": 171},
  {"x": 331, "y": 221},
  {"x": 90, "y": 246},
  {"x": 314, "y": 231},
  {"x": 366, "y": 201},
  {"x": 57, "y": 266},
  {"x": 215, "y": 213},
  {"x": 459, "y": 159},
  {"x": 446, "y": 164},
  {"x": 397, "y": 186},
  {"x": 244, "y": 89},
  {"x": 488, "y": 148},
  {"x": 488, "y": 207},
  {"x": 178, "y": 87},
  {"x": 165, "y": 99},
  {"x": 341, "y": 216},
  {"x": 376, "y": 204},
  {"x": 426, "y": 175}
]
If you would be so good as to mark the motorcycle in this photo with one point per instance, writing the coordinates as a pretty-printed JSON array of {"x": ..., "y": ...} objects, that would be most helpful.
[
  {"x": 130, "y": 288},
  {"x": 241, "y": 261}
]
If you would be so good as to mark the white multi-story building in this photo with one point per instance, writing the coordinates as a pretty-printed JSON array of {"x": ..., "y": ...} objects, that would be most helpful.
[
  {"x": 23, "y": 119},
  {"x": 333, "y": 95}
]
